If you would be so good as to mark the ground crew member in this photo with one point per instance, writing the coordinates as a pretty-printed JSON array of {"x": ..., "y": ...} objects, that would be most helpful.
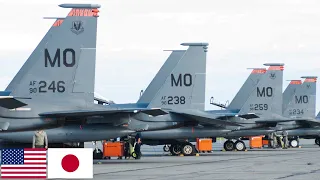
[
  {"x": 279, "y": 141},
  {"x": 126, "y": 147},
  {"x": 271, "y": 137},
  {"x": 274, "y": 140},
  {"x": 138, "y": 145},
  {"x": 285, "y": 139},
  {"x": 40, "y": 139}
]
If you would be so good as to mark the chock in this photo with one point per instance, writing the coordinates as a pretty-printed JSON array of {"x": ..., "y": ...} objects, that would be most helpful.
[
  {"x": 181, "y": 155},
  {"x": 197, "y": 154}
]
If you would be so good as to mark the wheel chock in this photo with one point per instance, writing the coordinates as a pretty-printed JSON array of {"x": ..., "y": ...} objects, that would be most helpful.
[
  {"x": 246, "y": 150},
  {"x": 99, "y": 162},
  {"x": 197, "y": 154},
  {"x": 299, "y": 146},
  {"x": 181, "y": 155}
]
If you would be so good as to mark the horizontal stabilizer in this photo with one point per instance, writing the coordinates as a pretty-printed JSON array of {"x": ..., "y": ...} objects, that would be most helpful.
[
  {"x": 10, "y": 102},
  {"x": 248, "y": 116},
  {"x": 308, "y": 122},
  {"x": 203, "y": 117},
  {"x": 86, "y": 113},
  {"x": 101, "y": 101}
]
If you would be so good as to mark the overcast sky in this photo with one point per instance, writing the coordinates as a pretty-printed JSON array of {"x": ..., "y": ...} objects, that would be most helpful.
[{"x": 133, "y": 34}]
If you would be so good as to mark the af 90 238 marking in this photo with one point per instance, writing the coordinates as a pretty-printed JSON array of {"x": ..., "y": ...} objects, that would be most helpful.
[{"x": 171, "y": 100}]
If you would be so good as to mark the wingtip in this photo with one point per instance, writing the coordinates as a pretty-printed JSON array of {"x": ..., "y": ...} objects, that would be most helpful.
[
  {"x": 80, "y": 5},
  {"x": 194, "y": 44}
]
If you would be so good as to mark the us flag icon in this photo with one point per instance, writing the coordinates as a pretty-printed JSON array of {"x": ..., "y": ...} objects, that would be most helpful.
[
  {"x": 22, "y": 163},
  {"x": 70, "y": 163}
]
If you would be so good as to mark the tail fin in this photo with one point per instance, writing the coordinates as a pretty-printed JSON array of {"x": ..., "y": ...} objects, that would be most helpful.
[
  {"x": 161, "y": 76},
  {"x": 184, "y": 86},
  {"x": 62, "y": 67},
  {"x": 289, "y": 93},
  {"x": 266, "y": 98},
  {"x": 303, "y": 102},
  {"x": 246, "y": 89}
]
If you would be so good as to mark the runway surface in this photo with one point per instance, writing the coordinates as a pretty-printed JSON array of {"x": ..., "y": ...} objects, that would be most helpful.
[{"x": 263, "y": 164}]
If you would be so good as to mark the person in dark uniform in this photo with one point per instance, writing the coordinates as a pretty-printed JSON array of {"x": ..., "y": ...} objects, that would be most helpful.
[
  {"x": 285, "y": 139},
  {"x": 126, "y": 141},
  {"x": 138, "y": 145}
]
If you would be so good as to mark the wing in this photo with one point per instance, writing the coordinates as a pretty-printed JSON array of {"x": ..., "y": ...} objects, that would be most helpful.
[
  {"x": 10, "y": 102},
  {"x": 203, "y": 117},
  {"x": 86, "y": 113}
]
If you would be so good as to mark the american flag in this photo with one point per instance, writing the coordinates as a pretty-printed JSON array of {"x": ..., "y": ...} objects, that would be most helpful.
[{"x": 20, "y": 163}]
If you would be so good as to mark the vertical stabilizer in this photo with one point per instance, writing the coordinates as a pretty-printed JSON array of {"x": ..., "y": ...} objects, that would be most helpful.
[
  {"x": 184, "y": 87},
  {"x": 62, "y": 67},
  {"x": 161, "y": 76},
  {"x": 303, "y": 102},
  {"x": 266, "y": 98}
]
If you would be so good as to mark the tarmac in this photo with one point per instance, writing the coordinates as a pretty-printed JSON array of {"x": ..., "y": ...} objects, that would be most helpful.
[{"x": 263, "y": 164}]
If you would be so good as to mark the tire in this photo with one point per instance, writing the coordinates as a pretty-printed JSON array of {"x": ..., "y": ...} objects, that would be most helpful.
[
  {"x": 175, "y": 149},
  {"x": 188, "y": 150},
  {"x": 239, "y": 145},
  {"x": 97, "y": 154},
  {"x": 294, "y": 143},
  {"x": 166, "y": 148},
  {"x": 317, "y": 141},
  {"x": 228, "y": 145}
]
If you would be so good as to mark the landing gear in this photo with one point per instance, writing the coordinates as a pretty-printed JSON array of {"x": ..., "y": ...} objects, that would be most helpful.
[
  {"x": 294, "y": 142},
  {"x": 317, "y": 141},
  {"x": 239, "y": 146},
  {"x": 166, "y": 148},
  {"x": 228, "y": 145},
  {"x": 186, "y": 149},
  {"x": 97, "y": 153},
  {"x": 175, "y": 149}
]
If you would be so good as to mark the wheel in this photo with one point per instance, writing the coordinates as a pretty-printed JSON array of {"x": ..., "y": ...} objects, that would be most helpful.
[
  {"x": 317, "y": 141},
  {"x": 166, "y": 148},
  {"x": 239, "y": 145},
  {"x": 228, "y": 145},
  {"x": 294, "y": 143},
  {"x": 97, "y": 154},
  {"x": 175, "y": 149},
  {"x": 188, "y": 149}
]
